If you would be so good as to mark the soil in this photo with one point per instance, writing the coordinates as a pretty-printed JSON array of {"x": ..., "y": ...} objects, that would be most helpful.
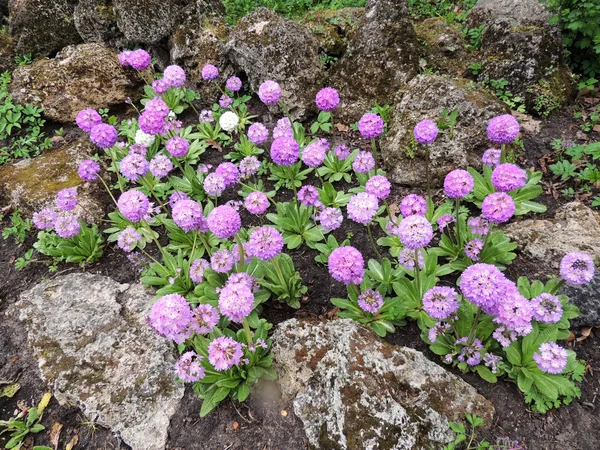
[{"x": 267, "y": 422}]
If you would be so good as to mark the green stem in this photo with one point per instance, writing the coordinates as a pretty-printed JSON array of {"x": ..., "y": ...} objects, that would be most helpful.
[
  {"x": 241, "y": 250},
  {"x": 428, "y": 171},
  {"x": 373, "y": 243},
  {"x": 108, "y": 190},
  {"x": 147, "y": 226},
  {"x": 355, "y": 288},
  {"x": 374, "y": 150},
  {"x": 205, "y": 243},
  {"x": 249, "y": 336},
  {"x": 457, "y": 227},
  {"x": 485, "y": 239},
  {"x": 475, "y": 322},
  {"x": 502, "y": 154},
  {"x": 114, "y": 164},
  {"x": 560, "y": 284},
  {"x": 417, "y": 271},
  {"x": 150, "y": 256}
]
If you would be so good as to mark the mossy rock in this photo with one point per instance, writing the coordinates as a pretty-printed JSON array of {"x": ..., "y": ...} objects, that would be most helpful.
[{"x": 334, "y": 29}]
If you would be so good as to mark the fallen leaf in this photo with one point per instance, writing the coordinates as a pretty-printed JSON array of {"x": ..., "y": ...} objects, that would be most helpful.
[
  {"x": 11, "y": 260},
  {"x": 72, "y": 443},
  {"x": 342, "y": 128},
  {"x": 215, "y": 145},
  {"x": 596, "y": 128},
  {"x": 528, "y": 123},
  {"x": 571, "y": 337},
  {"x": 585, "y": 333},
  {"x": 44, "y": 402},
  {"x": 10, "y": 390},
  {"x": 284, "y": 413},
  {"x": 55, "y": 433}
]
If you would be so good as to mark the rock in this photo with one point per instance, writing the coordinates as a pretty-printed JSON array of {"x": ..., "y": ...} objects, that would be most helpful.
[
  {"x": 426, "y": 97},
  {"x": 442, "y": 46},
  {"x": 7, "y": 57},
  {"x": 96, "y": 21},
  {"x": 519, "y": 45},
  {"x": 81, "y": 76},
  {"x": 96, "y": 351},
  {"x": 354, "y": 391},
  {"x": 32, "y": 184},
  {"x": 268, "y": 47},
  {"x": 41, "y": 27},
  {"x": 575, "y": 227},
  {"x": 380, "y": 60},
  {"x": 334, "y": 29},
  {"x": 587, "y": 299}
]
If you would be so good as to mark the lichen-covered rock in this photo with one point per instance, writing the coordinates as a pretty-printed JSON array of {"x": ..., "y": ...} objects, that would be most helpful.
[
  {"x": 426, "y": 97},
  {"x": 442, "y": 46},
  {"x": 32, "y": 184},
  {"x": 7, "y": 58},
  {"x": 41, "y": 27},
  {"x": 81, "y": 76},
  {"x": 520, "y": 45},
  {"x": 587, "y": 299},
  {"x": 380, "y": 60},
  {"x": 96, "y": 21},
  {"x": 268, "y": 47},
  {"x": 96, "y": 351},
  {"x": 354, "y": 391},
  {"x": 334, "y": 29}
]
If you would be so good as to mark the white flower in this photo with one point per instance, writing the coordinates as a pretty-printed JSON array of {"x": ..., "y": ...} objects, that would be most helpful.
[
  {"x": 171, "y": 115},
  {"x": 145, "y": 139},
  {"x": 229, "y": 121}
]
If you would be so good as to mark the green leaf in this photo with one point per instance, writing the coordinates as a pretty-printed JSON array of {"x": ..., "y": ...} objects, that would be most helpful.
[{"x": 486, "y": 374}]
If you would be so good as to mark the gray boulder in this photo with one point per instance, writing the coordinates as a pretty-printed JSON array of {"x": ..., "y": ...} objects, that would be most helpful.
[
  {"x": 426, "y": 97},
  {"x": 268, "y": 47},
  {"x": 379, "y": 61},
  {"x": 354, "y": 391},
  {"x": 96, "y": 351},
  {"x": 587, "y": 299},
  {"x": 443, "y": 47},
  {"x": 96, "y": 21}
]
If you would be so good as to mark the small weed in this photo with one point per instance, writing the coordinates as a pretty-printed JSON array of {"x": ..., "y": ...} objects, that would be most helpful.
[{"x": 18, "y": 229}]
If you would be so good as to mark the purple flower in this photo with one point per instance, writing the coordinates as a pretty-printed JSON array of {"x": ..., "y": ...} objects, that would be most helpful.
[
  {"x": 327, "y": 99},
  {"x": 547, "y": 308},
  {"x": 229, "y": 172},
  {"x": 133, "y": 205},
  {"x": 370, "y": 301},
  {"x": 483, "y": 285},
  {"x": 66, "y": 199},
  {"x": 236, "y": 301},
  {"x": 362, "y": 207},
  {"x": 458, "y": 184},
  {"x": 308, "y": 195},
  {"x": 170, "y": 317},
  {"x": 197, "y": 269},
  {"x": 45, "y": 219},
  {"x": 346, "y": 264},
  {"x": 438, "y": 329},
  {"x": 256, "y": 202},
  {"x": 157, "y": 105},
  {"x": 139, "y": 59},
  {"x": 174, "y": 76},
  {"x": 187, "y": 214},
  {"x": 341, "y": 151},
  {"x": 124, "y": 57},
  {"x": 139, "y": 149},
  {"x": 67, "y": 226},
  {"x": 470, "y": 354},
  {"x": 128, "y": 239},
  {"x": 406, "y": 258},
  {"x": 160, "y": 166},
  {"x": 440, "y": 302},
  {"x": 363, "y": 162},
  {"x": 551, "y": 358},
  {"x": 503, "y": 129},
  {"x": 175, "y": 197},
  {"x": 370, "y": 126},
  {"x": 249, "y": 166},
  {"x": 379, "y": 186},
  {"x": 498, "y": 207},
  {"x": 331, "y": 218},
  {"x": 235, "y": 252},
  {"x": 492, "y": 361},
  {"x": 225, "y": 101},
  {"x": 265, "y": 243},
  {"x": 177, "y": 146},
  {"x": 152, "y": 122},
  {"x": 491, "y": 157},
  {"x": 577, "y": 268},
  {"x": 425, "y": 132},
  {"x": 206, "y": 116},
  {"x": 224, "y": 222},
  {"x": 413, "y": 204},
  {"x": 204, "y": 319},
  {"x": 258, "y": 133},
  {"x": 445, "y": 220},
  {"x": 88, "y": 119},
  {"x": 224, "y": 353},
  {"x": 88, "y": 170},
  {"x": 479, "y": 225},
  {"x": 160, "y": 86},
  {"x": 513, "y": 310},
  {"x": 221, "y": 261},
  {"x": 133, "y": 166},
  {"x": 103, "y": 135},
  {"x": 508, "y": 177},
  {"x": 188, "y": 367},
  {"x": 234, "y": 84},
  {"x": 505, "y": 336},
  {"x": 214, "y": 184},
  {"x": 283, "y": 129},
  {"x": 473, "y": 249},
  {"x": 269, "y": 92},
  {"x": 415, "y": 232},
  {"x": 210, "y": 72},
  {"x": 314, "y": 153},
  {"x": 285, "y": 151}
]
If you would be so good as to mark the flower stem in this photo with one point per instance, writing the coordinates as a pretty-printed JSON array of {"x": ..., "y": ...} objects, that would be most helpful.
[
  {"x": 374, "y": 149},
  {"x": 428, "y": 171},
  {"x": 457, "y": 226},
  {"x": 354, "y": 288},
  {"x": 108, "y": 190},
  {"x": 206, "y": 246},
  {"x": 373, "y": 243},
  {"x": 474, "y": 326},
  {"x": 502, "y": 154},
  {"x": 249, "y": 336},
  {"x": 417, "y": 271},
  {"x": 241, "y": 250}
]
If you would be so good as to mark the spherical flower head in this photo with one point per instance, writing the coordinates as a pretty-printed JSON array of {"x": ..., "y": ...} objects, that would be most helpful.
[
  {"x": 283, "y": 129},
  {"x": 445, "y": 220},
  {"x": 244, "y": 278},
  {"x": 413, "y": 204},
  {"x": 406, "y": 258},
  {"x": 370, "y": 301},
  {"x": 67, "y": 226},
  {"x": 204, "y": 319},
  {"x": 362, "y": 207},
  {"x": 175, "y": 197},
  {"x": 346, "y": 264},
  {"x": 314, "y": 153},
  {"x": 236, "y": 301},
  {"x": 160, "y": 166},
  {"x": 221, "y": 261},
  {"x": 285, "y": 151},
  {"x": 440, "y": 302},
  {"x": 341, "y": 151},
  {"x": 551, "y": 358},
  {"x": 479, "y": 225},
  {"x": 363, "y": 162},
  {"x": 188, "y": 367},
  {"x": 133, "y": 205},
  {"x": 473, "y": 249},
  {"x": 503, "y": 129},
  {"x": 470, "y": 354},
  {"x": 514, "y": 310},
  {"x": 265, "y": 243},
  {"x": 256, "y": 202},
  {"x": 206, "y": 116},
  {"x": 415, "y": 232},
  {"x": 144, "y": 139},
  {"x": 88, "y": 170},
  {"x": 483, "y": 284},
  {"x": 139, "y": 59},
  {"x": 66, "y": 199},
  {"x": 234, "y": 84},
  {"x": 160, "y": 86},
  {"x": 103, "y": 135},
  {"x": 258, "y": 133},
  {"x": 174, "y": 76},
  {"x": 458, "y": 184},
  {"x": 327, "y": 99},
  {"x": 177, "y": 146},
  {"x": 124, "y": 57},
  {"x": 379, "y": 186},
  {"x": 508, "y": 177},
  {"x": 425, "y": 132},
  {"x": 170, "y": 317},
  {"x": 157, "y": 105},
  {"x": 45, "y": 219},
  {"x": 187, "y": 214},
  {"x": 224, "y": 222},
  {"x": 491, "y": 157},
  {"x": 225, "y": 101},
  {"x": 498, "y": 207},
  {"x": 133, "y": 166},
  {"x": 269, "y": 92},
  {"x": 214, "y": 184},
  {"x": 249, "y": 166},
  {"x": 229, "y": 121},
  {"x": 152, "y": 122},
  {"x": 331, "y": 218},
  {"x": 197, "y": 269},
  {"x": 504, "y": 336},
  {"x": 308, "y": 195},
  {"x": 224, "y": 353},
  {"x": 546, "y": 308},
  {"x": 210, "y": 72},
  {"x": 577, "y": 268},
  {"x": 229, "y": 172},
  {"x": 235, "y": 252},
  {"x": 128, "y": 239},
  {"x": 370, "y": 126},
  {"x": 492, "y": 361},
  {"x": 88, "y": 119}
]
